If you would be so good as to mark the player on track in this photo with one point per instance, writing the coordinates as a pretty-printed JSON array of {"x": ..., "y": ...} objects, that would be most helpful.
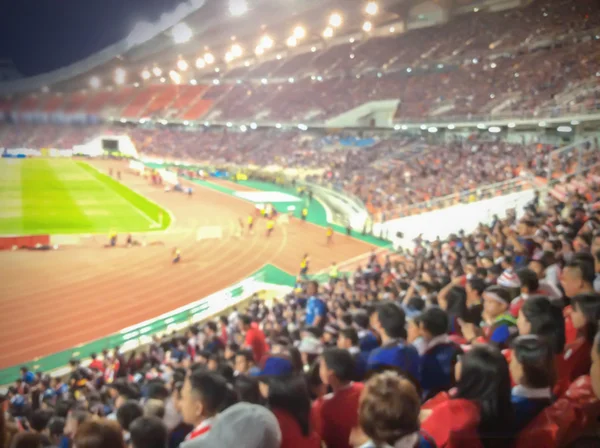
[
  {"x": 112, "y": 238},
  {"x": 304, "y": 264},
  {"x": 329, "y": 234},
  {"x": 304, "y": 213},
  {"x": 270, "y": 226},
  {"x": 176, "y": 255},
  {"x": 250, "y": 223}
]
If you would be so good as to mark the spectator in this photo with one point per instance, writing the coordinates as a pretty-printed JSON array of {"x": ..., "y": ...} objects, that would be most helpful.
[
  {"x": 99, "y": 434},
  {"x": 148, "y": 432},
  {"x": 254, "y": 337},
  {"x": 337, "y": 413},
  {"x": 480, "y": 410},
  {"x": 127, "y": 413},
  {"x": 27, "y": 440},
  {"x": 56, "y": 429},
  {"x": 244, "y": 360},
  {"x": 389, "y": 321},
  {"x": 202, "y": 396},
  {"x": 532, "y": 369},
  {"x": 348, "y": 340},
  {"x": 247, "y": 389},
  {"x": 529, "y": 286},
  {"x": 27, "y": 376},
  {"x": 315, "y": 307},
  {"x": 585, "y": 317},
  {"x": 154, "y": 408}
]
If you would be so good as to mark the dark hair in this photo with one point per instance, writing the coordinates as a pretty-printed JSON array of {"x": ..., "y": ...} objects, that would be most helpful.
[
  {"x": 589, "y": 305},
  {"x": 481, "y": 272},
  {"x": 435, "y": 321},
  {"x": 291, "y": 395},
  {"x": 245, "y": 319},
  {"x": 536, "y": 357},
  {"x": 456, "y": 298},
  {"x": 99, "y": 434},
  {"x": 528, "y": 278},
  {"x": 546, "y": 320},
  {"x": 247, "y": 389},
  {"x": 485, "y": 379},
  {"x": 40, "y": 418},
  {"x": 246, "y": 354},
  {"x": 340, "y": 362},
  {"x": 56, "y": 426},
  {"x": 148, "y": 432},
  {"x": 392, "y": 319},
  {"x": 347, "y": 319},
  {"x": 26, "y": 440},
  {"x": 128, "y": 412},
  {"x": 477, "y": 284},
  {"x": 361, "y": 319},
  {"x": 351, "y": 334},
  {"x": 212, "y": 389},
  {"x": 212, "y": 326},
  {"x": 585, "y": 269}
]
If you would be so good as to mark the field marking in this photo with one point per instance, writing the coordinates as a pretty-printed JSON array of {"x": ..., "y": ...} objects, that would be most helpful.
[{"x": 153, "y": 224}]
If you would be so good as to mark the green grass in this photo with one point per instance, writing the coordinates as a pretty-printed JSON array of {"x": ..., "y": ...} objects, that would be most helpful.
[{"x": 61, "y": 196}]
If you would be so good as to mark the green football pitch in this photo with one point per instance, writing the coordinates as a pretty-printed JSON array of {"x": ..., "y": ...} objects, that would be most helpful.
[{"x": 63, "y": 196}]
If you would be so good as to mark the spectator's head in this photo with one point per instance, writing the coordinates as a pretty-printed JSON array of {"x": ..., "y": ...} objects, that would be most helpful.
[
  {"x": 496, "y": 300},
  {"x": 39, "y": 419},
  {"x": 99, "y": 434},
  {"x": 474, "y": 288},
  {"x": 244, "y": 322},
  {"x": 312, "y": 288},
  {"x": 389, "y": 409},
  {"x": 210, "y": 329},
  {"x": 75, "y": 418},
  {"x": 528, "y": 280},
  {"x": 154, "y": 408},
  {"x": 595, "y": 369},
  {"x": 586, "y": 314},
  {"x": 148, "y": 432},
  {"x": 433, "y": 322},
  {"x": 539, "y": 265},
  {"x": 244, "y": 360},
  {"x": 336, "y": 367},
  {"x": 27, "y": 440},
  {"x": 291, "y": 395},
  {"x": 202, "y": 396},
  {"x": 538, "y": 316},
  {"x": 347, "y": 338},
  {"x": 577, "y": 278},
  {"x": 389, "y": 321},
  {"x": 532, "y": 363},
  {"x": 127, "y": 413},
  {"x": 56, "y": 429},
  {"x": 247, "y": 389},
  {"x": 482, "y": 376}
]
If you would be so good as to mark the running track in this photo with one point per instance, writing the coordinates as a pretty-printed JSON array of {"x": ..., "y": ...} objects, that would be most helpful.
[{"x": 52, "y": 301}]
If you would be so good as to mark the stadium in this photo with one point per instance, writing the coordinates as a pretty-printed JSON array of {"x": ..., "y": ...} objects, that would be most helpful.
[{"x": 304, "y": 224}]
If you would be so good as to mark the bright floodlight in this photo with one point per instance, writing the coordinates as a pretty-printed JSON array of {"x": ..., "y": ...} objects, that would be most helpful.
[
  {"x": 209, "y": 58},
  {"x": 299, "y": 32},
  {"x": 181, "y": 33},
  {"x": 157, "y": 71},
  {"x": 193, "y": 82},
  {"x": 182, "y": 65},
  {"x": 238, "y": 7},
  {"x": 200, "y": 63},
  {"x": 328, "y": 32},
  {"x": 228, "y": 56},
  {"x": 236, "y": 50},
  {"x": 259, "y": 50},
  {"x": 120, "y": 75},
  {"x": 175, "y": 77},
  {"x": 371, "y": 8},
  {"x": 94, "y": 82},
  {"x": 292, "y": 41},
  {"x": 266, "y": 42},
  {"x": 367, "y": 26},
  {"x": 335, "y": 20},
  {"x": 146, "y": 74}
]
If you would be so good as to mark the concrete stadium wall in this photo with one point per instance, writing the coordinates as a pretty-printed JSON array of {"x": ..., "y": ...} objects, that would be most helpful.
[{"x": 451, "y": 220}]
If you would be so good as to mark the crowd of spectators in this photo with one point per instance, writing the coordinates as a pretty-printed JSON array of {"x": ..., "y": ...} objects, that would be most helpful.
[{"x": 484, "y": 340}]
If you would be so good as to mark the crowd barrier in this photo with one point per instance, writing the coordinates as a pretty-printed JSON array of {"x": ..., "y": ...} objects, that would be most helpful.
[{"x": 28, "y": 241}]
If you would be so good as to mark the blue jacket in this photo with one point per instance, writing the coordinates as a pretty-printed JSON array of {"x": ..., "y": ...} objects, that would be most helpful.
[
  {"x": 436, "y": 368},
  {"x": 526, "y": 408},
  {"x": 398, "y": 354}
]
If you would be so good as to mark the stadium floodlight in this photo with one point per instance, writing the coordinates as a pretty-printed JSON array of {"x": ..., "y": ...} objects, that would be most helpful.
[
  {"x": 120, "y": 75},
  {"x": 574, "y": 122},
  {"x": 291, "y": 80},
  {"x": 511, "y": 125},
  {"x": 328, "y": 32},
  {"x": 266, "y": 42},
  {"x": 423, "y": 127},
  {"x": 404, "y": 127},
  {"x": 291, "y": 41},
  {"x": 185, "y": 122},
  {"x": 200, "y": 63},
  {"x": 495, "y": 129},
  {"x": 392, "y": 29},
  {"x": 157, "y": 71},
  {"x": 299, "y": 32},
  {"x": 216, "y": 82},
  {"x": 209, "y": 58},
  {"x": 264, "y": 81},
  {"x": 247, "y": 64},
  {"x": 163, "y": 80},
  {"x": 95, "y": 82},
  {"x": 371, "y": 8},
  {"x": 181, "y": 33},
  {"x": 351, "y": 40},
  {"x": 45, "y": 89},
  {"x": 367, "y": 26},
  {"x": 228, "y": 56},
  {"x": 279, "y": 57},
  {"x": 136, "y": 84},
  {"x": 238, "y": 7},
  {"x": 146, "y": 74},
  {"x": 335, "y": 20},
  {"x": 253, "y": 126},
  {"x": 302, "y": 127},
  {"x": 238, "y": 81},
  {"x": 564, "y": 129},
  {"x": 182, "y": 65},
  {"x": 193, "y": 82},
  {"x": 432, "y": 130},
  {"x": 229, "y": 124},
  {"x": 259, "y": 50},
  {"x": 278, "y": 125},
  {"x": 206, "y": 123},
  {"x": 236, "y": 50},
  {"x": 493, "y": 65},
  {"x": 396, "y": 127},
  {"x": 351, "y": 55},
  {"x": 408, "y": 70},
  {"x": 123, "y": 120},
  {"x": 243, "y": 128},
  {"x": 217, "y": 70},
  {"x": 481, "y": 126},
  {"x": 175, "y": 77},
  {"x": 451, "y": 126},
  {"x": 313, "y": 49},
  {"x": 542, "y": 124}
]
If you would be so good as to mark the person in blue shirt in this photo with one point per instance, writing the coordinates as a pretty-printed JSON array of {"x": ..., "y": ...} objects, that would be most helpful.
[
  {"x": 27, "y": 376},
  {"x": 532, "y": 369},
  {"x": 389, "y": 321},
  {"x": 316, "y": 309}
]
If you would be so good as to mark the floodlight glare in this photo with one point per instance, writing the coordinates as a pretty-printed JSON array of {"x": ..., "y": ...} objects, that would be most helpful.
[
  {"x": 236, "y": 50},
  {"x": 94, "y": 82},
  {"x": 175, "y": 77},
  {"x": 367, "y": 26},
  {"x": 182, "y": 65},
  {"x": 299, "y": 32},
  {"x": 200, "y": 63},
  {"x": 238, "y": 7},
  {"x": 209, "y": 58},
  {"x": 146, "y": 74},
  {"x": 157, "y": 71},
  {"x": 335, "y": 20},
  {"x": 181, "y": 33},
  {"x": 120, "y": 75},
  {"x": 228, "y": 56},
  {"x": 259, "y": 50},
  {"x": 371, "y": 8},
  {"x": 291, "y": 41},
  {"x": 266, "y": 42},
  {"x": 328, "y": 32}
]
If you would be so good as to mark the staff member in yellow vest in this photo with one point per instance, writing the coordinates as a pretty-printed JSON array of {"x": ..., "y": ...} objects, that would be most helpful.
[
  {"x": 270, "y": 226},
  {"x": 304, "y": 213},
  {"x": 113, "y": 239},
  {"x": 329, "y": 235},
  {"x": 304, "y": 265},
  {"x": 176, "y": 255},
  {"x": 333, "y": 273},
  {"x": 250, "y": 223}
]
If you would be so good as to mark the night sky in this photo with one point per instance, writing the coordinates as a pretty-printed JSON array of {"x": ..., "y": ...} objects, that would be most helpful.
[{"x": 43, "y": 35}]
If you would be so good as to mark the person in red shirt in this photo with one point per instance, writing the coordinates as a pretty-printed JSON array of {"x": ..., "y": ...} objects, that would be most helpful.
[
  {"x": 338, "y": 413},
  {"x": 480, "y": 407},
  {"x": 577, "y": 278},
  {"x": 96, "y": 363},
  {"x": 254, "y": 339}
]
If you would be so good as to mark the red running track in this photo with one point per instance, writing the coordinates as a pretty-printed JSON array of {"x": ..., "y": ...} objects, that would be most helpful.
[{"x": 52, "y": 301}]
